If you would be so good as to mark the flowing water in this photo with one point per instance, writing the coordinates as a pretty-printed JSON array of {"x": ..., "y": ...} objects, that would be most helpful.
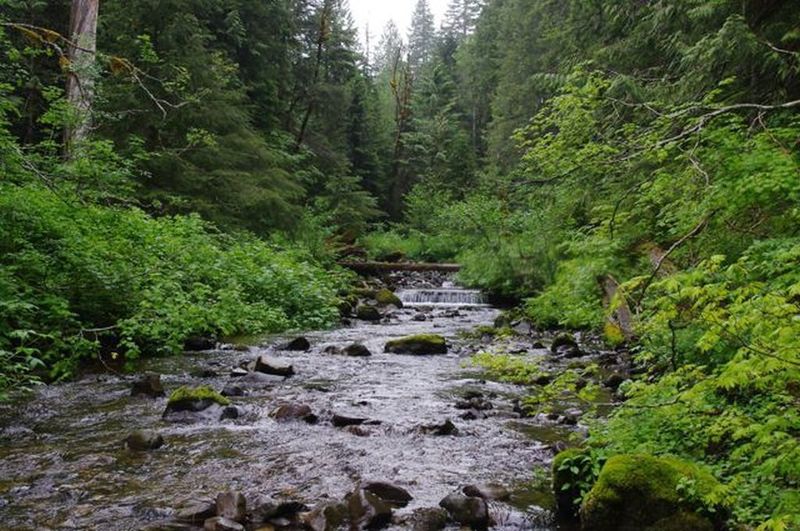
[
  {"x": 442, "y": 297},
  {"x": 63, "y": 463}
]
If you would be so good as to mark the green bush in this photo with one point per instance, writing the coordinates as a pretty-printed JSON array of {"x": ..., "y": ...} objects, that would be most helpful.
[{"x": 78, "y": 279}]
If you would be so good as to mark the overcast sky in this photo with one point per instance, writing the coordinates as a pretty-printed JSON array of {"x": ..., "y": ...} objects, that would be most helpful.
[{"x": 377, "y": 13}]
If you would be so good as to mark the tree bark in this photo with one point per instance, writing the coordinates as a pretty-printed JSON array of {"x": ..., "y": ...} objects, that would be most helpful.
[{"x": 80, "y": 81}]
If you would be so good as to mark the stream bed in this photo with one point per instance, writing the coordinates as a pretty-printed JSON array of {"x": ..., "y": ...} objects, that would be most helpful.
[{"x": 63, "y": 463}]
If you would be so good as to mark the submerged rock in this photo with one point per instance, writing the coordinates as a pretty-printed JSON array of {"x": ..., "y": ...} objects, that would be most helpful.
[
  {"x": 269, "y": 365},
  {"x": 294, "y": 411},
  {"x": 640, "y": 491},
  {"x": 149, "y": 384},
  {"x": 467, "y": 510},
  {"x": 418, "y": 345},
  {"x": 144, "y": 440}
]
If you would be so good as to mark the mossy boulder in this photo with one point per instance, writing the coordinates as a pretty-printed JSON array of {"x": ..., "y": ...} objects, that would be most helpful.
[
  {"x": 386, "y": 297},
  {"x": 368, "y": 313},
  {"x": 419, "y": 345},
  {"x": 195, "y": 399},
  {"x": 642, "y": 492}
]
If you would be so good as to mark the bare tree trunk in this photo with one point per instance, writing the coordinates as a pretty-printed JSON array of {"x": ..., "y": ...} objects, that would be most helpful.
[{"x": 80, "y": 81}]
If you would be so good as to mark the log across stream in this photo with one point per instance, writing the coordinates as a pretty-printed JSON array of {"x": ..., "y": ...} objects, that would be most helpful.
[{"x": 64, "y": 464}]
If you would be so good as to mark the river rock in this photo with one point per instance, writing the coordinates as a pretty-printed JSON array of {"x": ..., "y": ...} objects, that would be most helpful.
[
  {"x": 428, "y": 519},
  {"x": 232, "y": 505},
  {"x": 467, "y": 510},
  {"x": 191, "y": 404},
  {"x": 443, "y": 429},
  {"x": 614, "y": 380},
  {"x": 341, "y": 421},
  {"x": 418, "y": 345},
  {"x": 298, "y": 344},
  {"x": 368, "y": 313},
  {"x": 367, "y": 511},
  {"x": 238, "y": 372},
  {"x": 143, "y": 440},
  {"x": 294, "y": 411},
  {"x": 230, "y": 412},
  {"x": 357, "y": 350},
  {"x": 149, "y": 384},
  {"x": 196, "y": 512},
  {"x": 386, "y": 297},
  {"x": 269, "y": 365},
  {"x": 479, "y": 404},
  {"x": 487, "y": 492},
  {"x": 328, "y": 517},
  {"x": 391, "y": 494},
  {"x": 420, "y": 317},
  {"x": 199, "y": 343},
  {"x": 219, "y": 523},
  {"x": 232, "y": 390}
]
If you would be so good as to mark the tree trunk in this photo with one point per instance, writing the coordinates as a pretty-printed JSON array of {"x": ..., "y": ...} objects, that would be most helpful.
[{"x": 80, "y": 81}]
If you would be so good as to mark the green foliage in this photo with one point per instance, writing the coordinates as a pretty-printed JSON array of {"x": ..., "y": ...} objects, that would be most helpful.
[
  {"x": 513, "y": 369},
  {"x": 88, "y": 278}
]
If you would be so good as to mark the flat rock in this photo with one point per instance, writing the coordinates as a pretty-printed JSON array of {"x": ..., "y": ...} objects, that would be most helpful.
[
  {"x": 196, "y": 512},
  {"x": 391, "y": 494},
  {"x": 219, "y": 523},
  {"x": 269, "y": 365}
]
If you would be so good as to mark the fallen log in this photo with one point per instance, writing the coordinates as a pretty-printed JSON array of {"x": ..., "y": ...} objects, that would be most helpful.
[{"x": 376, "y": 267}]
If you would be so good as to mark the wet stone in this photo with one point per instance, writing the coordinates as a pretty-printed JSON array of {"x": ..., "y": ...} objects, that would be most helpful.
[
  {"x": 487, "y": 492},
  {"x": 341, "y": 421},
  {"x": 391, "y": 494},
  {"x": 298, "y": 344},
  {"x": 294, "y": 411},
  {"x": 144, "y": 440},
  {"x": 428, "y": 519},
  {"x": 232, "y": 505},
  {"x": 219, "y": 523},
  {"x": 443, "y": 429},
  {"x": 196, "y": 512},
  {"x": 357, "y": 350},
  {"x": 232, "y": 390},
  {"x": 367, "y": 511},
  {"x": 149, "y": 384},
  {"x": 269, "y": 365},
  {"x": 467, "y": 510}
]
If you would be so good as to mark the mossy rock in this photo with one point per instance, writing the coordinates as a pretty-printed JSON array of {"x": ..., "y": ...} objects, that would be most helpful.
[
  {"x": 364, "y": 293},
  {"x": 418, "y": 345},
  {"x": 563, "y": 340},
  {"x": 386, "y": 297},
  {"x": 563, "y": 476},
  {"x": 368, "y": 313},
  {"x": 641, "y": 492},
  {"x": 195, "y": 398}
]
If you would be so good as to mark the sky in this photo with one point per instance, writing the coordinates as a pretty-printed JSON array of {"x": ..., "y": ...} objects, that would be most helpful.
[{"x": 377, "y": 13}]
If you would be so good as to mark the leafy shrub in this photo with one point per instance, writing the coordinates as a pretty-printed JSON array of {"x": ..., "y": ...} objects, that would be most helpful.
[{"x": 78, "y": 279}]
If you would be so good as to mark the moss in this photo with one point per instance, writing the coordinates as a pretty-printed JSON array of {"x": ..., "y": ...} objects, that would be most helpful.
[
  {"x": 613, "y": 335},
  {"x": 637, "y": 491},
  {"x": 196, "y": 394},
  {"x": 368, "y": 313},
  {"x": 419, "y": 344},
  {"x": 386, "y": 297},
  {"x": 364, "y": 293}
]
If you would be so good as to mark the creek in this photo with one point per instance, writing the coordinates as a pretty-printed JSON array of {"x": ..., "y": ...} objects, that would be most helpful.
[{"x": 63, "y": 463}]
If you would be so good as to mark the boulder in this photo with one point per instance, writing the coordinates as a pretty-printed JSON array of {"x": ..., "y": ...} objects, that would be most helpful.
[
  {"x": 328, "y": 517},
  {"x": 467, "y": 510},
  {"x": 298, "y": 344},
  {"x": 294, "y": 411},
  {"x": 219, "y": 523},
  {"x": 368, "y": 313},
  {"x": 487, "y": 492},
  {"x": 269, "y": 365},
  {"x": 196, "y": 512},
  {"x": 386, "y": 297},
  {"x": 428, "y": 519},
  {"x": 198, "y": 343},
  {"x": 232, "y": 505},
  {"x": 641, "y": 491},
  {"x": 192, "y": 400},
  {"x": 149, "y": 384},
  {"x": 357, "y": 350},
  {"x": 443, "y": 429},
  {"x": 391, "y": 494},
  {"x": 144, "y": 440},
  {"x": 417, "y": 345},
  {"x": 367, "y": 511}
]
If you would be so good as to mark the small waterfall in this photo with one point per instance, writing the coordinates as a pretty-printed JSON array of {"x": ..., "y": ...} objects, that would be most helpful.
[{"x": 442, "y": 297}]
